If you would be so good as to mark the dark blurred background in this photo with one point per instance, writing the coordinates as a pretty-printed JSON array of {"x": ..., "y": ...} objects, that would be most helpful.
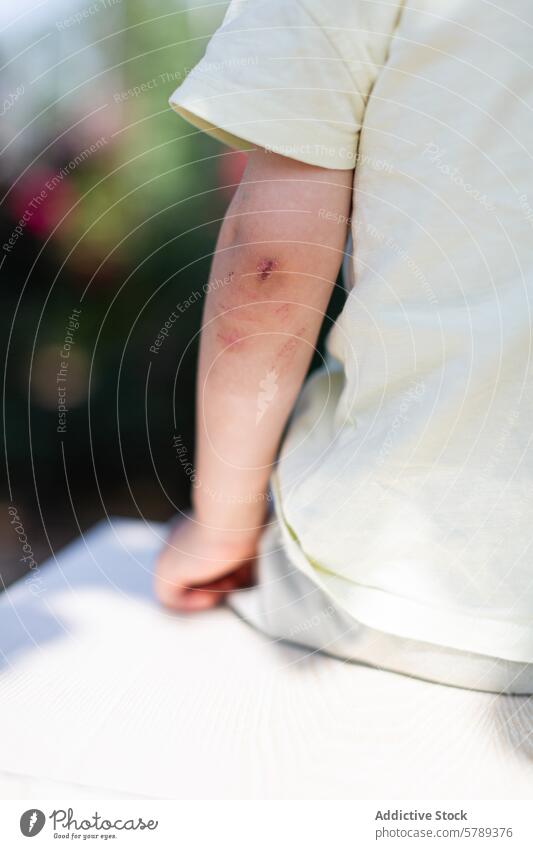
[{"x": 110, "y": 209}]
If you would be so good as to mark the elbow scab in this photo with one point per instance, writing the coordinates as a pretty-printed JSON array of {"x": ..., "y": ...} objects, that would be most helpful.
[{"x": 266, "y": 268}]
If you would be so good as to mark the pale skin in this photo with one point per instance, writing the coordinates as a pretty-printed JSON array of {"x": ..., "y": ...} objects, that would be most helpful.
[{"x": 277, "y": 258}]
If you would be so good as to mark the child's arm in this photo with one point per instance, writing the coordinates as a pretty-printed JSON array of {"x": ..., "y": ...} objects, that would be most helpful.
[{"x": 277, "y": 259}]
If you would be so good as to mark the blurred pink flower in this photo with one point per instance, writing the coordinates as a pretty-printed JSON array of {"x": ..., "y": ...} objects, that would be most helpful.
[{"x": 42, "y": 197}]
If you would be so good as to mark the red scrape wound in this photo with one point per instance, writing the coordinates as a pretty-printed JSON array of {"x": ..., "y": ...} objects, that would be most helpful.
[
  {"x": 289, "y": 347},
  {"x": 230, "y": 339},
  {"x": 265, "y": 268},
  {"x": 283, "y": 310}
]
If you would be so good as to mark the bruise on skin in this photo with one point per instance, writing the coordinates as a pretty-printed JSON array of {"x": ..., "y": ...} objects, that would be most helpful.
[{"x": 265, "y": 268}]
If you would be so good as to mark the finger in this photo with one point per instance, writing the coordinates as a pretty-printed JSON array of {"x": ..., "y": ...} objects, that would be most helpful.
[
  {"x": 195, "y": 601},
  {"x": 204, "y": 598},
  {"x": 244, "y": 576},
  {"x": 189, "y": 599},
  {"x": 192, "y": 572},
  {"x": 192, "y": 600}
]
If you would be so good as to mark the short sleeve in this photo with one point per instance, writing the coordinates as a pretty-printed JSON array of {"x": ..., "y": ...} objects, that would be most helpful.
[{"x": 290, "y": 76}]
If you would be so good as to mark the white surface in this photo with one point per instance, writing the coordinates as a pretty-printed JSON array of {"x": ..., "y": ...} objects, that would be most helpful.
[{"x": 100, "y": 689}]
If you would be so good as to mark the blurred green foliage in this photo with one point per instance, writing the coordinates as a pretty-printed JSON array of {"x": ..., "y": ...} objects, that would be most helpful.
[{"x": 125, "y": 235}]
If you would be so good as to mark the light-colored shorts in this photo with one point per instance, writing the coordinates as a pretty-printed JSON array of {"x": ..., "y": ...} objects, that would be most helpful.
[{"x": 286, "y": 605}]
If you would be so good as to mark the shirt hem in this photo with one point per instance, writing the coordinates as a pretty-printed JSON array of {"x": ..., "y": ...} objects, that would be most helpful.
[
  {"x": 403, "y": 617},
  {"x": 210, "y": 111}
]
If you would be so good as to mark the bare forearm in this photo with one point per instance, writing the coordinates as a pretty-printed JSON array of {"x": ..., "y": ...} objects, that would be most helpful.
[{"x": 272, "y": 277}]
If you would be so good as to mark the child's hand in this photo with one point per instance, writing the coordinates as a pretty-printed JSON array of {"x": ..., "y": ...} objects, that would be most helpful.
[{"x": 199, "y": 566}]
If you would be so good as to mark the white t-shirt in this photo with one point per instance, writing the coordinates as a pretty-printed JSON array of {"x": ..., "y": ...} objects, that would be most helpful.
[{"x": 405, "y": 483}]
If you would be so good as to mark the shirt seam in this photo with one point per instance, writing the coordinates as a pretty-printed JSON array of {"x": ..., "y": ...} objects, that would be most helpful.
[{"x": 330, "y": 40}]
